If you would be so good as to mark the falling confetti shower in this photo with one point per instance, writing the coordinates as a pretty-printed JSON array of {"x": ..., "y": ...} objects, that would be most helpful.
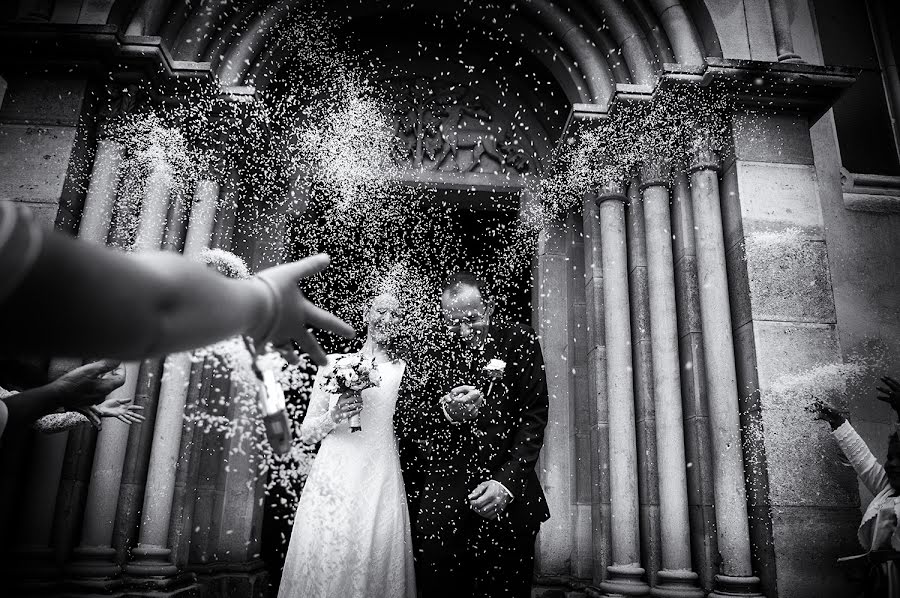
[{"x": 322, "y": 133}]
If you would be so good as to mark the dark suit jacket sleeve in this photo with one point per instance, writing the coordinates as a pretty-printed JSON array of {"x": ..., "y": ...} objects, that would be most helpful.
[{"x": 530, "y": 388}]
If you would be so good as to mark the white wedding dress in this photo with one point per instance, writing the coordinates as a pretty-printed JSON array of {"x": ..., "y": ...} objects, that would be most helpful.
[{"x": 351, "y": 535}]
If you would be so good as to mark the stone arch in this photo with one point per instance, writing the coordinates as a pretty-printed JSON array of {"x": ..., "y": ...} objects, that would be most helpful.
[{"x": 607, "y": 42}]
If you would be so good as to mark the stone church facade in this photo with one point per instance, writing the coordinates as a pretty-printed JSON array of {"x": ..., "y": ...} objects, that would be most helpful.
[{"x": 672, "y": 463}]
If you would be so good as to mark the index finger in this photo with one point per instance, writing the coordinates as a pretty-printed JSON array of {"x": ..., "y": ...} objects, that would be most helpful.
[
  {"x": 326, "y": 320},
  {"x": 895, "y": 386}
]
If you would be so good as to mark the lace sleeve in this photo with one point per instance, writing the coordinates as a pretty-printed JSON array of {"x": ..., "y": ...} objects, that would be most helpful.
[
  {"x": 864, "y": 462},
  {"x": 318, "y": 422},
  {"x": 59, "y": 422}
]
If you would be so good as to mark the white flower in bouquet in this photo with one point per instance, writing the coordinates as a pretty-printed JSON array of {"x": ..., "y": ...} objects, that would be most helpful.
[{"x": 352, "y": 374}]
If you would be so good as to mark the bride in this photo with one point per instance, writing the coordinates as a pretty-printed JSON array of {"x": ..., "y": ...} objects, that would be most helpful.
[{"x": 351, "y": 535}]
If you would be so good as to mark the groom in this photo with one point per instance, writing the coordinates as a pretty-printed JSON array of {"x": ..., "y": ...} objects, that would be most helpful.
[{"x": 469, "y": 448}]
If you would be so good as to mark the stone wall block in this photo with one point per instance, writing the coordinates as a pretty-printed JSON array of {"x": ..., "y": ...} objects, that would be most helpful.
[
  {"x": 34, "y": 160},
  {"x": 48, "y": 101},
  {"x": 789, "y": 350},
  {"x": 788, "y": 277},
  {"x": 782, "y": 138},
  {"x": 779, "y": 196},
  {"x": 805, "y": 465},
  {"x": 808, "y": 542}
]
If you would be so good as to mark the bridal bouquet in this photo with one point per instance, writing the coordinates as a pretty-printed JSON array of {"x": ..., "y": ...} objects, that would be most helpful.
[{"x": 352, "y": 373}]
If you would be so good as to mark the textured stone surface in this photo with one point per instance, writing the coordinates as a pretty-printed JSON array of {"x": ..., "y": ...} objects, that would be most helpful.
[
  {"x": 693, "y": 383},
  {"x": 34, "y": 160},
  {"x": 687, "y": 295},
  {"x": 759, "y": 30},
  {"x": 745, "y": 363},
  {"x": 781, "y": 138},
  {"x": 804, "y": 462},
  {"x": 788, "y": 280},
  {"x": 704, "y": 543},
  {"x": 698, "y": 450},
  {"x": 739, "y": 287},
  {"x": 47, "y": 101},
  {"x": 651, "y": 559},
  {"x": 808, "y": 542},
  {"x": 779, "y": 195},
  {"x": 555, "y": 539},
  {"x": 785, "y": 348},
  {"x": 732, "y": 223}
]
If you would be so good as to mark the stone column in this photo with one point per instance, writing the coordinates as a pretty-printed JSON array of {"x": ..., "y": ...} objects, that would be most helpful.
[
  {"x": 581, "y": 404},
  {"x": 676, "y": 578},
  {"x": 48, "y": 453},
  {"x": 94, "y": 560},
  {"x": 101, "y": 194},
  {"x": 732, "y": 525},
  {"x": 226, "y": 214},
  {"x": 642, "y": 363},
  {"x": 555, "y": 540},
  {"x": 698, "y": 451},
  {"x": 152, "y": 556},
  {"x": 593, "y": 289},
  {"x": 781, "y": 25},
  {"x": 625, "y": 575}
]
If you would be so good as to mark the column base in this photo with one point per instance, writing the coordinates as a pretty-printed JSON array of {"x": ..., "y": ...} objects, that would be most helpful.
[
  {"x": 150, "y": 562},
  {"x": 679, "y": 583},
  {"x": 625, "y": 580},
  {"x": 95, "y": 568},
  {"x": 236, "y": 579},
  {"x": 791, "y": 57},
  {"x": 727, "y": 587}
]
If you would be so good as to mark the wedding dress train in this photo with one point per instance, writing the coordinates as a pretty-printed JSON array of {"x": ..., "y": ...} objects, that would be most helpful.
[{"x": 351, "y": 535}]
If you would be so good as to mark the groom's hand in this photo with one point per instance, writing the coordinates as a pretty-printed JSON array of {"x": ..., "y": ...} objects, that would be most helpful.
[
  {"x": 462, "y": 403},
  {"x": 489, "y": 499}
]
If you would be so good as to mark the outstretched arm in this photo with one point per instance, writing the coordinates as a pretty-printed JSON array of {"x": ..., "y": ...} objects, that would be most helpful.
[
  {"x": 82, "y": 387},
  {"x": 861, "y": 458},
  {"x": 77, "y": 298},
  {"x": 858, "y": 454}
]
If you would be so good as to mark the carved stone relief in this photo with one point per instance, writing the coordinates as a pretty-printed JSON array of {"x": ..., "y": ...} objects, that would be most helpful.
[{"x": 445, "y": 126}]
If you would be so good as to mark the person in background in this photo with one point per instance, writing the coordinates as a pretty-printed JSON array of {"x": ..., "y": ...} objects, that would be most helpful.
[
  {"x": 878, "y": 530},
  {"x": 65, "y": 297}
]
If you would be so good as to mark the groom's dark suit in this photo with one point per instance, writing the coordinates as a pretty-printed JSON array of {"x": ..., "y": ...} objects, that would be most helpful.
[{"x": 459, "y": 553}]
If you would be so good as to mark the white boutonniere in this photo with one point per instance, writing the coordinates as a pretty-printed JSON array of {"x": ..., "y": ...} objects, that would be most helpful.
[{"x": 495, "y": 370}]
